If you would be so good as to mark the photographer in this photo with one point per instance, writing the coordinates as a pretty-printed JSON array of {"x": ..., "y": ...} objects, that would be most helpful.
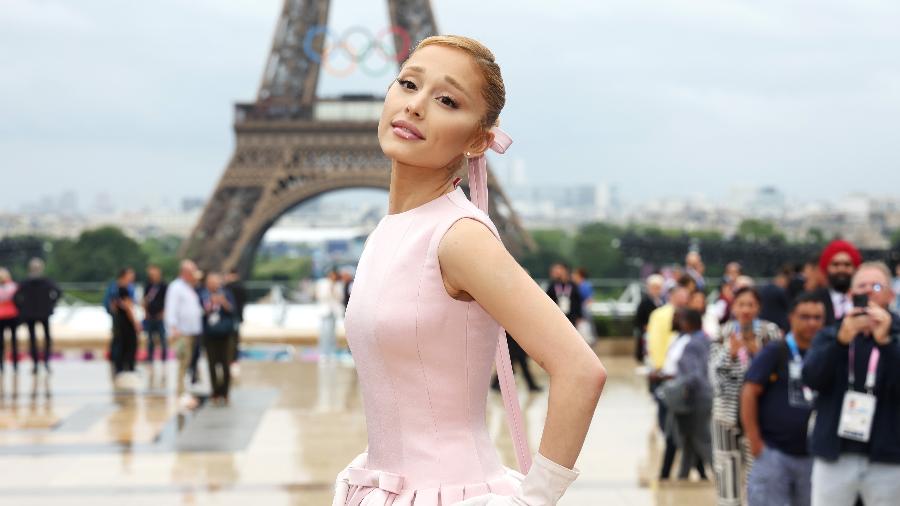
[{"x": 856, "y": 437}]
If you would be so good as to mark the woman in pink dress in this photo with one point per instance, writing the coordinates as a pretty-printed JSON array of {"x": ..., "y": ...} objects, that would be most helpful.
[{"x": 433, "y": 287}]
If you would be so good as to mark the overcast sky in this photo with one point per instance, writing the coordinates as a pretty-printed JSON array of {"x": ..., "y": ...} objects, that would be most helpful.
[{"x": 659, "y": 97}]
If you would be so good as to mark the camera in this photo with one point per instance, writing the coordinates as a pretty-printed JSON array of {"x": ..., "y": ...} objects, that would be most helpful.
[{"x": 861, "y": 300}]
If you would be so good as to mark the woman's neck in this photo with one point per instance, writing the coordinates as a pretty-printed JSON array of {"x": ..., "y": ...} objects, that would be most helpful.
[{"x": 413, "y": 186}]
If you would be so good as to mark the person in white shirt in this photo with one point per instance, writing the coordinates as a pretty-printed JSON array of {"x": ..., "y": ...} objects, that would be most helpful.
[
  {"x": 183, "y": 317},
  {"x": 330, "y": 296}
]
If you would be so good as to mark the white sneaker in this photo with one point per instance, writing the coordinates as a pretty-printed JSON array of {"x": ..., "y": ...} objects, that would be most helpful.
[
  {"x": 187, "y": 401},
  {"x": 127, "y": 381}
]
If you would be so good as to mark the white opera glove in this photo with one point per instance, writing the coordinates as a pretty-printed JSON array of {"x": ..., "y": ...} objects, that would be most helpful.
[{"x": 544, "y": 485}]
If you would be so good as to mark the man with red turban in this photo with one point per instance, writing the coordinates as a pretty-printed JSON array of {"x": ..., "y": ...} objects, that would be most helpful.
[{"x": 838, "y": 263}]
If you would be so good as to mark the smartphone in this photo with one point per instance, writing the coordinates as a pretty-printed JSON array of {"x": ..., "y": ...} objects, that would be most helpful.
[{"x": 861, "y": 300}]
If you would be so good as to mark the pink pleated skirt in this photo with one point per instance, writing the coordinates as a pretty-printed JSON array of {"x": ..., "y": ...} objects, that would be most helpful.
[{"x": 358, "y": 486}]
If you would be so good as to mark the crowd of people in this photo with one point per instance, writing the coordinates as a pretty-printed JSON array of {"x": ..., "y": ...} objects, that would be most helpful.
[
  {"x": 195, "y": 313},
  {"x": 788, "y": 392},
  {"x": 28, "y": 303}
]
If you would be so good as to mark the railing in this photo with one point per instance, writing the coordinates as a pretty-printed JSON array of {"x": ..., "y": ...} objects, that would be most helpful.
[{"x": 281, "y": 295}]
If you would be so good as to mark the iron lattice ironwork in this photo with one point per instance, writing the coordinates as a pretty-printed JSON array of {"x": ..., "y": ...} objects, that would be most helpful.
[{"x": 285, "y": 154}]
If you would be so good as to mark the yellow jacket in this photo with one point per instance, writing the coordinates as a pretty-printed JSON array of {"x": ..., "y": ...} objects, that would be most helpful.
[{"x": 660, "y": 334}]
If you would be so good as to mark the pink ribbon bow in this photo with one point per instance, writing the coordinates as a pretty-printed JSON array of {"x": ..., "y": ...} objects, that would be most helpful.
[
  {"x": 478, "y": 193},
  {"x": 389, "y": 482},
  {"x": 478, "y": 188}
]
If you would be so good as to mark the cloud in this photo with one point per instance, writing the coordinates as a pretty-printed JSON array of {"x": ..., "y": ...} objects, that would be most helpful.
[
  {"x": 21, "y": 16},
  {"x": 626, "y": 91}
]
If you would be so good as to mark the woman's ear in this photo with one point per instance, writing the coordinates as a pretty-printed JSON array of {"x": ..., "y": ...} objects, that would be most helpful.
[{"x": 481, "y": 142}]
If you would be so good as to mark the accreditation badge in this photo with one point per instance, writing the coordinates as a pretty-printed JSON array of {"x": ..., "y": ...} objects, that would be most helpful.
[
  {"x": 856, "y": 416},
  {"x": 799, "y": 395},
  {"x": 564, "y": 303}
]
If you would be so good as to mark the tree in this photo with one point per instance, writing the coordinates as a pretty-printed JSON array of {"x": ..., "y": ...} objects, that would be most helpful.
[
  {"x": 895, "y": 239},
  {"x": 752, "y": 230},
  {"x": 815, "y": 235},
  {"x": 96, "y": 255},
  {"x": 597, "y": 250},
  {"x": 553, "y": 245},
  {"x": 163, "y": 252},
  {"x": 281, "y": 269},
  {"x": 16, "y": 251}
]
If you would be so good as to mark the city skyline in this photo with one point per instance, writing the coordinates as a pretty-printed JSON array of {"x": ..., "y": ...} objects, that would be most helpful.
[
  {"x": 805, "y": 101},
  {"x": 870, "y": 221}
]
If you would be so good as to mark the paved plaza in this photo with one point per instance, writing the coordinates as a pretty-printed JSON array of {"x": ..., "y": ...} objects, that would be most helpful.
[{"x": 290, "y": 427}]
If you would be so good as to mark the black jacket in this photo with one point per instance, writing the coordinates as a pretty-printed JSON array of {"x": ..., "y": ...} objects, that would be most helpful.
[
  {"x": 824, "y": 294},
  {"x": 36, "y": 298},
  {"x": 240, "y": 298},
  {"x": 825, "y": 370},
  {"x": 775, "y": 305},
  {"x": 156, "y": 305},
  {"x": 575, "y": 300},
  {"x": 642, "y": 315}
]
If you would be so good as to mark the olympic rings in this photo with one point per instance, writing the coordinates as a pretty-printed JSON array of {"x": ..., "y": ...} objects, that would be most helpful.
[
  {"x": 358, "y": 57},
  {"x": 340, "y": 72},
  {"x": 400, "y": 55}
]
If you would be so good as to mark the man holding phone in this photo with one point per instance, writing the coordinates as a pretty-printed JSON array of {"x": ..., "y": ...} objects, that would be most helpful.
[{"x": 855, "y": 368}]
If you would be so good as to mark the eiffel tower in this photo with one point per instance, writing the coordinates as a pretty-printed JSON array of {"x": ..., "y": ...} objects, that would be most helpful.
[{"x": 292, "y": 146}]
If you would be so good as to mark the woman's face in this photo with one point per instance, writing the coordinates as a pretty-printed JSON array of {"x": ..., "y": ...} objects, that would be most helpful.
[
  {"x": 745, "y": 308},
  {"x": 433, "y": 110}
]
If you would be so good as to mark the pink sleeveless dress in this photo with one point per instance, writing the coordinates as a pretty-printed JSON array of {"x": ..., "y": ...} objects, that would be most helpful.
[{"x": 424, "y": 362}]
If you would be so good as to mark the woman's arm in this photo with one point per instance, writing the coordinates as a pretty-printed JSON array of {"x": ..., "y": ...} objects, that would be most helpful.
[{"x": 474, "y": 261}]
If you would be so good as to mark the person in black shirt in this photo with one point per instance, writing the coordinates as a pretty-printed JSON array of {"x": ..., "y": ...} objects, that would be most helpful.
[
  {"x": 154, "y": 305},
  {"x": 650, "y": 301},
  {"x": 775, "y": 411},
  {"x": 126, "y": 329},
  {"x": 564, "y": 293},
  {"x": 36, "y": 298}
]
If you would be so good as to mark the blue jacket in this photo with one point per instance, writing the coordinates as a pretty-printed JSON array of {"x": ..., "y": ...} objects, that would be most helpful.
[
  {"x": 825, "y": 370},
  {"x": 693, "y": 367},
  {"x": 112, "y": 292}
]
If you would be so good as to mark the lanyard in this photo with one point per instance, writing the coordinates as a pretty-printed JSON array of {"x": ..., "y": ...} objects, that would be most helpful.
[
  {"x": 566, "y": 291},
  {"x": 792, "y": 345},
  {"x": 874, "y": 356}
]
